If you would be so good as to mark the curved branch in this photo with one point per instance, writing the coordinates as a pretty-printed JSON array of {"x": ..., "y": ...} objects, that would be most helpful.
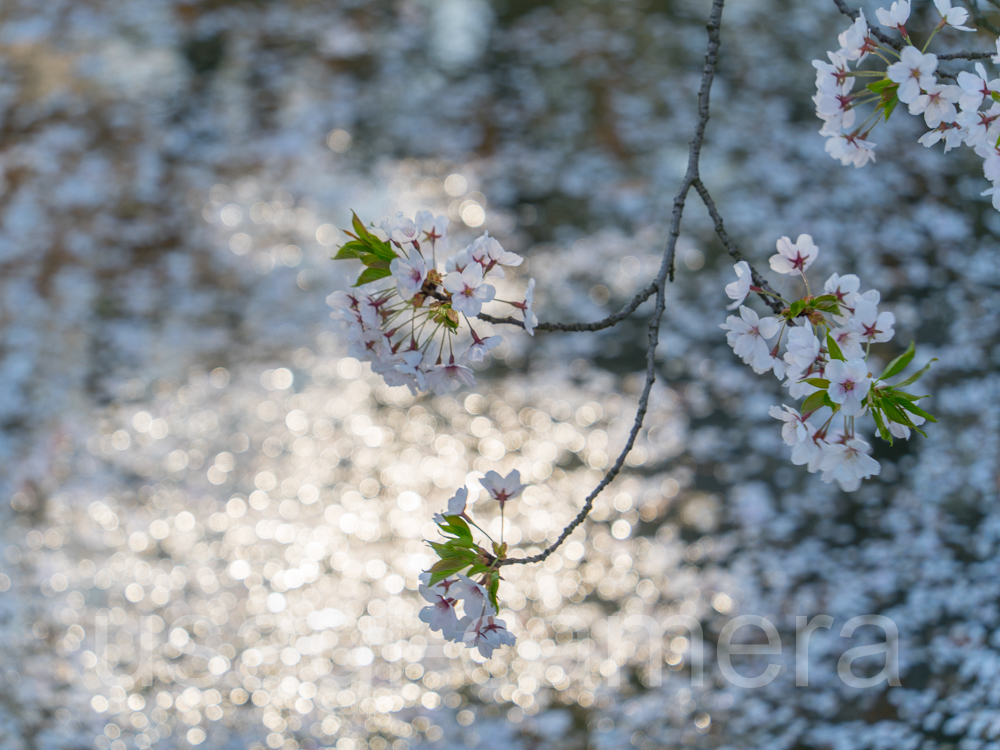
[
  {"x": 758, "y": 280},
  {"x": 666, "y": 270},
  {"x": 598, "y": 325}
]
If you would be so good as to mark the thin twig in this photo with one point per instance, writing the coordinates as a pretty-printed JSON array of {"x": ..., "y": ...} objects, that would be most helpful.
[
  {"x": 769, "y": 299},
  {"x": 666, "y": 270},
  {"x": 598, "y": 325}
]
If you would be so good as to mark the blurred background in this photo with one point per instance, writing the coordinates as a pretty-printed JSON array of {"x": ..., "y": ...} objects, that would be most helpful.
[{"x": 213, "y": 519}]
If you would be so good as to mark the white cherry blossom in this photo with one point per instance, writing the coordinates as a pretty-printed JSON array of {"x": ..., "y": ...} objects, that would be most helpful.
[
  {"x": 953, "y": 17},
  {"x": 872, "y": 326},
  {"x": 443, "y": 379},
  {"x": 468, "y": 292},
  {"x": 976, "y": 89},
  {"x": 409, "y": 274},
  {"x": 748, "y": 336},
  {"x": 477, "y": 351},
  {"x": 936, "y": 104},
  {"x": 850, "y": 149},
  {"x": 833, "y": 77},
  {"x": 896, "y": 16},
  {"x": 803, "y": 347},
  {"x": 456, "y": 505},
  {"x": 848, "y": 463},
  {"x": 849, "y": 385},
  {"x": 913, "y": 72},
  {"x": 402, "y": 231},
  {"x": 487, "y": 633},
  {"x": 500, "y": 488},
  {"x": 856, "y": 42},
  {"x": 794, "y": 258},
  {"x": 795, "y": 429},
  {"x": 474, "y": 596},
  {"x": 441, "y": 614},
  {"x": 739, "y": 289}
]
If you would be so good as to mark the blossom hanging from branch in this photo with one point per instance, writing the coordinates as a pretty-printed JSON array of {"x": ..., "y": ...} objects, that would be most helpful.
[{"x": 407, "y": 318}]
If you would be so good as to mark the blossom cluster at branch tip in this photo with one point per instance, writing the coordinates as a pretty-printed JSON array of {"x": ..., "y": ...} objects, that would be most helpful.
[
  {"x": 829, "y": 338},
  {"x": 954, "y": 113},
  {"x": 446, "y": 587},
  {"x": 407, "y": 317}
]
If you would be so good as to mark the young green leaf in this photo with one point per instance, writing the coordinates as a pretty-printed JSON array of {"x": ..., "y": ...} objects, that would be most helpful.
[
  {"x": 890, "y": 106},
  {"x": 834, "y": 349},
  {"x": 882, "y": 431},
  {"x": 916, "y": 376},
  {"x": 352, "y": 249},
  {"x": 899, "y": 363},
  {"x": 814, "y": 402},
  {"x": 372, "y": 274},
  {"x": 878, "y": 86},
  {"x": 912, "y": 407},
  {"x": 818, "y": 382}
]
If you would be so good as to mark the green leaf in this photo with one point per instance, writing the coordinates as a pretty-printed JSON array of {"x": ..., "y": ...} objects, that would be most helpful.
[
  {"x": 891, "y": 105},
  {"x": 359, "y": 228},
  {"x": 893, "y": 413},
  {"x": 878, "y": 86},
  {"x": 444, "y": 568},
  {"x": 494, "y": 585},
  {"x": 813, "y": 402},
  {"x": 995, "y": 96},
  {"x": 899, "y": 363},
  {"x": 458, "y": 527},
  {"x": 818, "y": 382},
  {"x": 828, "y": 307},
  {"x": 897, "y": 395},
  {"x": 352, "y": 249},
  {"x": 882, "y": 431},
  {"x": 373, "y": 261},
  {"x": 380, "y": 249},
  {"x": 913, "y": 408},
  {"x": 916, "y": 376},
  {"x": 372, "y": 274},
  {"x": 796, "y": 307},
  {"x": 834, "y": 349}
]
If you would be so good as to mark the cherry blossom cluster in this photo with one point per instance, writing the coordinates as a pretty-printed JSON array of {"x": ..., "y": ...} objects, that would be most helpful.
[
  {"x": 828, "y": 339},
  {"x": 955, "y": 114},
  {"x": 405, "y": 318},
  {"x": 445, "y": 586}
]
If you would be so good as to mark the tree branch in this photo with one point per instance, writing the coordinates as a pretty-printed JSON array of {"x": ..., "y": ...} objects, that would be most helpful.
[
  {"x": 598, "y": 325},
  {"x": 720, "y": 230},
  {"x": 666, "y": 270}
]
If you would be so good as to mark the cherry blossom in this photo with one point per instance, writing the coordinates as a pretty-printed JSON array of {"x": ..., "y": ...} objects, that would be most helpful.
[
  {"x": 795, "y": 429},
  {"x": 842, "y": 287},
  {"x": 849, "y": 384},
  {"x": 833, "y": 77},
  {"x": 474, "y": 596},
  {"x": 803, "y": 347},
  {"x": 739, "y": 289},
  {"x": 469, "y": 293},
  {"x": 913, "y": 72},
  {"x": 434, "y": 228},
  {"x": 487, "y": 633},
  {"x": 456, "y": 505},
  {"x": 848, "y": 463},
  {"x": 403, "y": 232},
  {"x": 936, "y": 104},
  {"x": 871, "y": 325},
  {"x": 748, "y": 336},
  {"x": 794, "y": 258},
  {"x": 479, "y": 347},
  {"x": 901, "y": 430},
  {"x": 953, "y": 17},
  {"x": 441, "y": 614},
  {"x": 409, "y": 275},
  {"x": 850, "y": 149},
  {"x": 443, "y": 379},
  {"x": 856, "y": 42},
  {"x": 896, "y": 16},
  {"x": 976, "y": 89},
  {"x": 500, "y": 488}
]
